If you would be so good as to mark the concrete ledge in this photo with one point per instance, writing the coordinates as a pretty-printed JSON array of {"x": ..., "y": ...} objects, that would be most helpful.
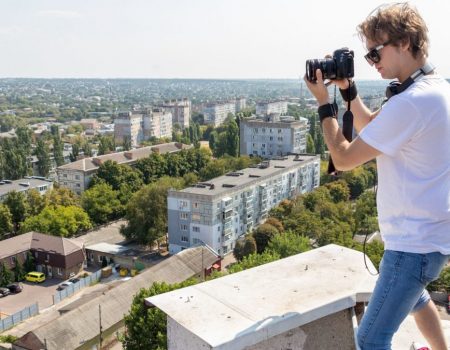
[{"x": 246, "y": 308}]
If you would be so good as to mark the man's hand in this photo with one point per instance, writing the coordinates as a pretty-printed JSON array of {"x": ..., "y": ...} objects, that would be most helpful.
[{"x": 318, "y": 88}]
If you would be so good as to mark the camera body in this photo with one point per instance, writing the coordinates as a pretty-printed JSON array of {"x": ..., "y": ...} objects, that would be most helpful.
[{"x": 339, "y": 66}]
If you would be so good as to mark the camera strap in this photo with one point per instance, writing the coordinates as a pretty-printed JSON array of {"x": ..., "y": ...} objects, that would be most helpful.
[{"x": 347, "y": 126}]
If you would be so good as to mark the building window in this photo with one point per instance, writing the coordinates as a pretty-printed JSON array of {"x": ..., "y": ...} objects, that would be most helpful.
[
  {"x": 59, "y": 271},
  {"x": 184, "y": 216},
  {"x": 64, "y": 175},
  {"x": 195, "y": 205},
  {"x": 183, "y": 227},
  {"x": 77, "y": 177},
  {"x": 13, "y": 260},
  {"x": 100, "y": 258},
  {"x": 184, "y": 239},
  {"x": 36, "y": 255},
  {"x": 196, "y": 240},
  {"x": 195, "y": 229},
  {"x": 183, "y": 204}
]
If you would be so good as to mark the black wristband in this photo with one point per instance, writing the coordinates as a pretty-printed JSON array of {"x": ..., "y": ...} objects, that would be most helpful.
[
  {"x": 350, "y": 93},
  {"x": 328, "y": 110}
]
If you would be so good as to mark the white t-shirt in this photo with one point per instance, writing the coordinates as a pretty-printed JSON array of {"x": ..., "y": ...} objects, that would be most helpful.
[{"x": 413, "y": 133}]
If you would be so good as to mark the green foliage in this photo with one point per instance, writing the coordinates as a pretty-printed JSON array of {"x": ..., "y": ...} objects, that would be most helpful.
[
  {"x": 58, "y": 146},
  {"x": 254, "y": 260},
  {"x": 58, "y": 221},
  {"x": 116, "y": 175},
  {"x": 287, "y": 244},
  {"x": 75, "y": 152},
  {"x": 102, "y": 203},
  {"x": 126, "y": 143},
  {"x": 339, "y": 191},
  {"x": 232, "y": 138},
  {"x": 35, "y": 201},
  {"x": 19, "y": 272},
  {"x": 61, "y": 196},
  {"x": 30, "y": 263},
  {"x": 244, "y": 247},
  {"x": 275, "y": 223},
  {"x": 43, "y": 158},
  {"x": 146, "y": 328},
  {"x": 106, "y": 145},
  {"x": 6, "y": 276},
  {"x": 146, "y": 211},
  {"x": 310, "y": 147},
  {"x": 18, "y": 207},
  {"x": 442, "y": 283},
  {"x": 6, "y": 221},
  {"x": 318, "y": 195},
  {"x": 263, "y": 234},
  {"x": 14, "y": 155},
  {"x": 8, "y": 338},
  {"x": 365, "y": 213}
]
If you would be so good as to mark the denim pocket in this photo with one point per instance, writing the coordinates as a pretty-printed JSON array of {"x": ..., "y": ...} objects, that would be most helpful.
[{"x": 432, "y": 265}]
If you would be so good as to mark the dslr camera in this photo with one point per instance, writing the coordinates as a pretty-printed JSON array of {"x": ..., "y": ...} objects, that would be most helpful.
[{"x": 340, "y": 66}]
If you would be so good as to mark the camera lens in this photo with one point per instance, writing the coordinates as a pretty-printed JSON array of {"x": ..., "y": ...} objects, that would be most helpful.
[{"x": 311, "y": 66}]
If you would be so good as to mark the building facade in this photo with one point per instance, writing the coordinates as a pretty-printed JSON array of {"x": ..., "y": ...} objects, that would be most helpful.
[
  {"x": 181, "y": 111},
  {"x": 216, "y": 113},
  {"x": 128, "y": 125},
  {"x": 265, "y": 108},
  {"x": 273, "y": 136},
  {"x": 24, "y": 185},
  {"x": 221, "y": 210},
  {"x": 157, "y": 123}
]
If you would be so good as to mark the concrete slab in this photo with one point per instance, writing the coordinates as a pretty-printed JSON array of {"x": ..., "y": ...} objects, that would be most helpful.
[{"x": 246, "y": 308}]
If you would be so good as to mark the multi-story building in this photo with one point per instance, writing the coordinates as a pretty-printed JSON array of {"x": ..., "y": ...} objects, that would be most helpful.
[
  {"x": 221, "y": 210},
  {"x": 181, "y": 111},
  {"x": 129, "y": 125},
  {"x": 89, "y": 123},
  {"x": 240, "y": 103},
  {"x": 23, "y": 185},
  {"x": 264, "y": 108},
  {"x": 157, "y": 123},
  {"x": 78, "y": 175},
  {"x": 273, "y": 136},
  {"x": 216, "y": 113}
]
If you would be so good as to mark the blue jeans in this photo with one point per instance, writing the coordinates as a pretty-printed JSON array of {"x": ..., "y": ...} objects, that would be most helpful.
[{"x": 400, "y": 289}]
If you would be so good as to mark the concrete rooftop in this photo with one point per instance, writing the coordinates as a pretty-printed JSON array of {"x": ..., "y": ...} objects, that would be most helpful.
[{"x": 254, "y": 305}]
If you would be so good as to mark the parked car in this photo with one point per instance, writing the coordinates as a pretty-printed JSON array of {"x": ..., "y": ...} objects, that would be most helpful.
[
  {"x": 4, "y": 292},
  {"x": 74, "y": 280},
  {"x": 15, "y": 287},
  {"x": 35, "y": 277},
  {"x": 64, "y": 285}
]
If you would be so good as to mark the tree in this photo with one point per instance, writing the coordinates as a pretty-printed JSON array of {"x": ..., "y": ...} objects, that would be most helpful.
[
  {"x": 254, "y": 260},
  {"x": 318, "y": 195},
  {"x": 101, "y": 203},
  {"x": 106, "y": 145},
  {"x": 442, "y": 283},
  {"x": 29, "y": 264},
  {"x": 6, "y": 276},
  {"x": 310, "y": 147},
  {"x": 19, "y": 272},
  {"x": 146, "y": 211},
  {"x": 319, "y": 143},
  {"x": 87, "y": 150},
  {"x": 232, "y": 139},
  {"x": 275, "y": 223},
  {"x": 126, "y": 144},
  {"x": 75, "y": 152},
  {"x": 61, "y": 196},
  {"x": 365, "y": 213},
  {"x": 58, "y": 146},
  {"x": 263, "y": 234},
  {"x": 36, "y": 202},
  {"x": 287, "y": 244},
  {"x": 42, "y": 153},
  {"x": 146, "y": 328},
  {"x": 116, "y": 175},
  {"x": 18, "y": 207},
  {"x": 244, "y": 247},
  {"x": 58, "y": 221},
  {"x": 6, "y": 221},
  {"x": 213, "y": 138},
  {"x": 339, "y": 191}
]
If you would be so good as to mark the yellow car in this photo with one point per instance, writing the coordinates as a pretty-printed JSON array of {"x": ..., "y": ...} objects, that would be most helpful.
[{"x": 35, "y": 277}]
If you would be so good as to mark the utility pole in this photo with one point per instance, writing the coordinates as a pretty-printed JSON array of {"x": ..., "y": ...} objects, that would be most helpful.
[{"x": 100, "y": 324}]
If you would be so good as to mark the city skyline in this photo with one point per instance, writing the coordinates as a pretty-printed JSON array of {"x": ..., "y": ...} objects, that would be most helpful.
[{"x": 196, "y": 39}]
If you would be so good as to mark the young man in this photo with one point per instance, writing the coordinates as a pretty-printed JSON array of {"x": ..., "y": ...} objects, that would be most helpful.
[{"x": 410, "y": 138}]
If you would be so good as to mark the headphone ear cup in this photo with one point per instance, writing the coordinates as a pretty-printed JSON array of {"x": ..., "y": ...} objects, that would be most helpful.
[{"x": 392, "y": 89}]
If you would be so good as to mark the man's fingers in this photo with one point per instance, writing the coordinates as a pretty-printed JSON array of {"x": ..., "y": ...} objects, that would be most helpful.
[{"x": 319, "y": 76}]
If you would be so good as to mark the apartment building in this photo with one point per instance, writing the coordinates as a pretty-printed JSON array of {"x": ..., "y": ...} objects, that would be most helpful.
[
  {"x": 216, "y": 113},
  {"x": 24, "y": 185},
  {"x": 240, "y": 103},
  {"x": 129, "y": 125},
  {"x": 221, "y": 210},
  {"x": 180, "y": 109},
  {"x": 273, "y": 136},
  {"x": 78, "y": 175},
  {"x": 157, "y": 123},
  {"x": 265, "y": 108}
]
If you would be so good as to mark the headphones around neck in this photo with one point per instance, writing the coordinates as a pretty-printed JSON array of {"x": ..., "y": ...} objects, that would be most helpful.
[{"x": 395, "y": 87}]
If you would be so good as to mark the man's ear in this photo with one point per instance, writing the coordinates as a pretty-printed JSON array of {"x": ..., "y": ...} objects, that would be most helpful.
[{"x": 405, "y": 44}]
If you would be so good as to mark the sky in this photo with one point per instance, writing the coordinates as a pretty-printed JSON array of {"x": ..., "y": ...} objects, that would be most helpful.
[{"x": 198, "y": 39}]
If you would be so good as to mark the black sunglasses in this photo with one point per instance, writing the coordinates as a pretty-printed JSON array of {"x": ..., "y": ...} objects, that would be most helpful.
[{"x": 373, "y": 56}]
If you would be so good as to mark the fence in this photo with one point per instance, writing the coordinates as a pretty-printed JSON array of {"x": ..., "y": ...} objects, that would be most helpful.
[
  {"x": 75, "y": 287},
  {"x": 18, "y": 317}
]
